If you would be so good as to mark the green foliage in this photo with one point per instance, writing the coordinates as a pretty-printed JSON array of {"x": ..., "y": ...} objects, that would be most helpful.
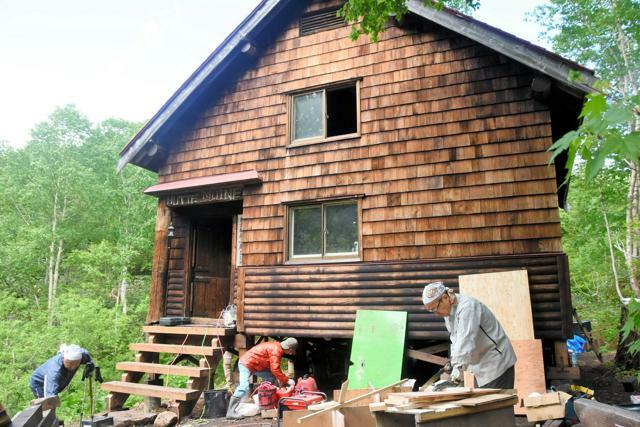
[
  {"x": 632, "y": 324},
  {"x": 603, "y": 134},
  {"x": 589, "y": 32},
  {"x": 585, "y": 242},
  {"x": 370, "y": 16},
  {"x": 107, "y": 232},
  {"x": 603, "y": 34}
]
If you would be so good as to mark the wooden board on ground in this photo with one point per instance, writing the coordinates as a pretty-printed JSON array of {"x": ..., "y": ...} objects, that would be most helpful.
[
  {"x": 350, "y": 394},
  {"x": 466, "y": 410},
  {"x": 346, "y": 417},
  {"x": 483, "y": 400},
  {"x": 450, "y": 394},
  {"x": 377, "y": 350},
  {"x": 529, "y": 375},
  {"x": 506, "y": 293}
]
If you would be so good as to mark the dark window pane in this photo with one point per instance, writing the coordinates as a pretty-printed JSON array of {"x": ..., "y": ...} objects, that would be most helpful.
[
  {"x": 307, "y": 115},
  {"x": 341, "y": 111},
  {"x": 342, "y": 228},
  {"x": 307, "y": 231}
]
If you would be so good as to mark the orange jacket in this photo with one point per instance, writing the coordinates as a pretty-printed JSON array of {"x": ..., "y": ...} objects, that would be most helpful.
[{"x": 266, "y": 355}]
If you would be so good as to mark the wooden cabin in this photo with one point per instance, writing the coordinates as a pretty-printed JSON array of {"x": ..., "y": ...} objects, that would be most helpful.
[{"x": 303, "y": 176}]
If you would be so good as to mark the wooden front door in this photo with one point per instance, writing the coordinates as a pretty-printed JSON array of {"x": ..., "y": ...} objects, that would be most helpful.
[{"x": 210, "y": 268}]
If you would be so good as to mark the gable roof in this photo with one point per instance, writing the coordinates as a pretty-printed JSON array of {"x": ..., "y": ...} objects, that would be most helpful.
[{"x": 522, "y": 51}]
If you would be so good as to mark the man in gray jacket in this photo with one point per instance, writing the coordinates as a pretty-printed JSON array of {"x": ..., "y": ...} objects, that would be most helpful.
[{"x": 478, "y": 342}]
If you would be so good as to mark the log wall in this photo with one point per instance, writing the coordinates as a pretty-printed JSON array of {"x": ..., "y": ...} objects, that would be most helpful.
[
  {"x": 177, "y": 284},
  {"x": 322, "y": 300},
  {"x": 451, "y": 157}
]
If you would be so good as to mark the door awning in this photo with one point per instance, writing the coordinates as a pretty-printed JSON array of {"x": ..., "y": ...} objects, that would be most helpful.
[{"x": 200, "y": 183}]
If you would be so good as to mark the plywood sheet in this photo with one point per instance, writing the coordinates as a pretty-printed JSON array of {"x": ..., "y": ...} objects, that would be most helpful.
[
  {"x": 506, "y": 293},
  {"x": 529, "y": 376},
  {"x": 377, "y": 351}
]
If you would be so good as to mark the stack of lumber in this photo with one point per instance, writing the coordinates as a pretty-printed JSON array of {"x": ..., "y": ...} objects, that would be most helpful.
[
  {"x": 507, "y": 295},
  {"x": 429, "y": 405}
]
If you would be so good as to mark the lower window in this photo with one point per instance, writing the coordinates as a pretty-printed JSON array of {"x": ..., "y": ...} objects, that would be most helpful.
[{"x": 324, "y": 231}]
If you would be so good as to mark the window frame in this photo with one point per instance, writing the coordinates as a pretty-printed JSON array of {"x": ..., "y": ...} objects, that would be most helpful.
[
  {"x": 322, "y": 257},
  {"x": 320, "y": 139}
]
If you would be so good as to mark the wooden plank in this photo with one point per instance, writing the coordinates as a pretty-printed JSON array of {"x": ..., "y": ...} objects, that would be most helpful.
[
  {"x": 351, "y": 401},
  {"x": 157, "y": 368},
  {"x": 449, "y": 394},
  {"x": 377, "y": 406},
  {"x": 427, "y": 357},
  {"x": 175, "y": 349},
  {"x": 437, "y": 348},
  {"x": 483, "y": 400},
  {"x": 29, "y": 417},
  {"x": 529, "y": 369},
  {"x": 464, "y": 410},
  {"x": 171, "y": 393},
  {"x": 49, "y": 419},
  {"x": 506, "y": 294},
  {"x": 47, "y": 403},
  {"x": 240, "y": 303},
  {"x": 201, "y": 330},
  {"x": 469, "y": 380}
]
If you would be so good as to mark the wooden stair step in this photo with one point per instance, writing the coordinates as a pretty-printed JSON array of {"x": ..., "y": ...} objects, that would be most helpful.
[
  {"x": 174, "y": 349},
  {"x": 172, "y": 393},
  {"x": 199, "y": 330},
  {"x": 158, "y": 368}
]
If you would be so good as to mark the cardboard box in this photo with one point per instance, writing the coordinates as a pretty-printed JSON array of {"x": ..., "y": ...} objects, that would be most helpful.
[{"x": 548, "y": 406}]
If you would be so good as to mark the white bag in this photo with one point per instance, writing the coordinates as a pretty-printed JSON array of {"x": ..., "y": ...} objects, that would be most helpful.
[{"x": 248, "y": 409}]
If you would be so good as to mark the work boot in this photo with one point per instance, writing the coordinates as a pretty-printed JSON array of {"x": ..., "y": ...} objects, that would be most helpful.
[{"x": 233, "y": 406}]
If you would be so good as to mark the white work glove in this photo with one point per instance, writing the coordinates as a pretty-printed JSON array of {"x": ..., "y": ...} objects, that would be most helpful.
[
  {"x": 456, "y": 375},
  {"x": 291, "y": 382}
]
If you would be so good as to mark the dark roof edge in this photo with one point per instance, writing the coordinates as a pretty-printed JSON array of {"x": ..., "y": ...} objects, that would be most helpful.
[
  {"x": 136, "y": 144},
  {"x": 527, "y": 53}
]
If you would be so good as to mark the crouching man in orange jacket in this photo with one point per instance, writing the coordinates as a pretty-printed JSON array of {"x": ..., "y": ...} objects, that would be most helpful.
[{"x": 262, "y": 360}]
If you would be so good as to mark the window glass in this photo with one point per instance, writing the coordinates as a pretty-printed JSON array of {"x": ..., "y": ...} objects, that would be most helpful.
[
  {"x": 342, "y": 228},
  {"x": 308, "y": 111},
  {"x": 307, "y": 231}
]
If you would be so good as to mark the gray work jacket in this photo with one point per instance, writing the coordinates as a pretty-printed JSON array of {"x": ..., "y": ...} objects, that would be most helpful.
[{"x": 478, "y": 342}]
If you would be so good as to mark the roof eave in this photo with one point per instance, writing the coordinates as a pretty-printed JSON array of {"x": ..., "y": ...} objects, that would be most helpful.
[
  {"x": 129, "y": 153},
  {"x": 513, "y": 47}
]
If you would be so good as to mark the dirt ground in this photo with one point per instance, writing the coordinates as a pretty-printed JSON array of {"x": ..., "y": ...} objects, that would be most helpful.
[{"x": 598, "y": 377}]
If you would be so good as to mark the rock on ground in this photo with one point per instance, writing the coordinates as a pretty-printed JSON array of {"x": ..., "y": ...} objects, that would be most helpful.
[
  {"x": 165, "y": 419},
  {"x": 132, "y": 418}
]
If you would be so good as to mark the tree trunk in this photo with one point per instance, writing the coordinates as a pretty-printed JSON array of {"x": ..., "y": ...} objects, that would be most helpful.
[
  {"x": 51, "y": 263},
  {"x": 614, "y": 269},
  {"x": 54, "y": 262},
  {"x": 631, "y": 246},
  {"x": 122, "y": 294}
]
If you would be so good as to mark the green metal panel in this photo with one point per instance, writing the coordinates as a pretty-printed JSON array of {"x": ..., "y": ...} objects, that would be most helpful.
[{"x": 377, "y": 351}]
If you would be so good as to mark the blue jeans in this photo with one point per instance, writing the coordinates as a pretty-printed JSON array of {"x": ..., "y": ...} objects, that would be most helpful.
[{"x": 245, "y": 373}]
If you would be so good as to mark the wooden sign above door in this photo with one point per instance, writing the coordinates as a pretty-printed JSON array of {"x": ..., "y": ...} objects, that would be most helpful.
[{"x": 204, "y": 196}]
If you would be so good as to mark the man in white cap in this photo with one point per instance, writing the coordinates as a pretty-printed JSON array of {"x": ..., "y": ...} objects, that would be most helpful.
[
  {"x": 54, "y": 375},
  {"x": 262, "y": 360},
  {"x": 478, "y": 342}
]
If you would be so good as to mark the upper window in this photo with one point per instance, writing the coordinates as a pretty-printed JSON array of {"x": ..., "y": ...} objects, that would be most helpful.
[
  {"x": 324, "y": 231},
  {"x": 324, "y": 113}
]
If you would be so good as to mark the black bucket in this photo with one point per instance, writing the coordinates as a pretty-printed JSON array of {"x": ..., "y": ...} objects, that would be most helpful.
[{"x": 215, "y": 403}]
